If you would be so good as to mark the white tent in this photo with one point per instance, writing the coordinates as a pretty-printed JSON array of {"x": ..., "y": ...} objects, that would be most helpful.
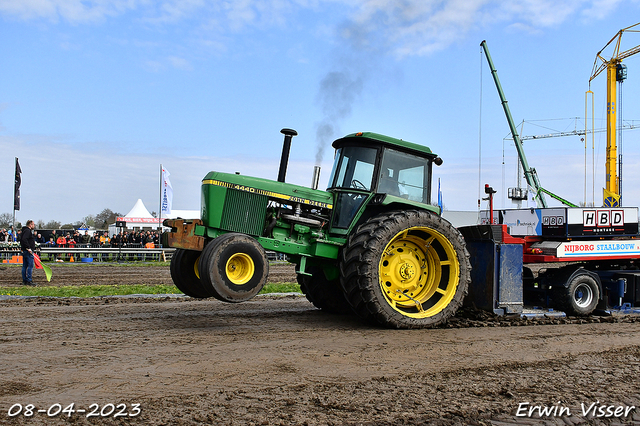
[
  {"x": 138, "y": 217},
  {"x": 139, "y": 211}
]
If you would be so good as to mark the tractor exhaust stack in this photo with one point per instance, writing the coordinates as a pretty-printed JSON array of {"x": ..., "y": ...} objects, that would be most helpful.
[
  {"x": 316, "y": 177},
  {"x": 286, "y": 147}
]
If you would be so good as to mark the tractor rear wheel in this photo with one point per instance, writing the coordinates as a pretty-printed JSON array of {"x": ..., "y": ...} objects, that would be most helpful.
[
  {"x": 405, "y": 269},
  {"x": 234, "y": 267},
  {"x": 185, "y": 275},
  {"x": 323, "y": 293}
]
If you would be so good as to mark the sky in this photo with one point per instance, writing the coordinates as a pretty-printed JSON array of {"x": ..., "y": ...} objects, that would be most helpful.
[{"x": 95, "y": 95}]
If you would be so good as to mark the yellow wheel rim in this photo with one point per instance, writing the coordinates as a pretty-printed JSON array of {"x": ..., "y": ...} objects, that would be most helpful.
[
  {"x": 196, "y": 267},
  {"x": 419, "y": 272},
  {"x": 240, "y": 268}
]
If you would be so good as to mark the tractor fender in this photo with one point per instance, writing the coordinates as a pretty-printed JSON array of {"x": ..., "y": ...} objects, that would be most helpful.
[{"x": 375, "y": 208}]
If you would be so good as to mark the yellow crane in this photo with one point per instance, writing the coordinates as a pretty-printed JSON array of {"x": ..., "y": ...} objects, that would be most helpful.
[{"x": 616, "y": 72}]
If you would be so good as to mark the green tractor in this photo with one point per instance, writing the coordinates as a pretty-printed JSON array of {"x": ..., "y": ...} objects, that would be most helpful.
[{"x": 370, "y": 244}]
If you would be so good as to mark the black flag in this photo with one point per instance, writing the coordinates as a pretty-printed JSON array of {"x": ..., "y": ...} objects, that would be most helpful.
[{"x": 16, "y": 194}]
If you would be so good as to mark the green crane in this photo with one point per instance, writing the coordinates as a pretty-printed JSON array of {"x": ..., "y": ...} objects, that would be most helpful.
[{"x": 529, "y": 172}]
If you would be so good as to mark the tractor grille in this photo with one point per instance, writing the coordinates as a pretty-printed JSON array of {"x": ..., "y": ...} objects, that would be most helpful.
[{"x": 244, "y": 212}]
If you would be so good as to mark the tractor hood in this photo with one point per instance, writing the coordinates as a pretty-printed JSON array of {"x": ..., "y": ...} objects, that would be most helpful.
[{"x": 285, "y": 192}]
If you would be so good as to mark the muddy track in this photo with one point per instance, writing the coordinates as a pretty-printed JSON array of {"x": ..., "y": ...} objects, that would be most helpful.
[
  {"x": 117, "y": 274},
  {"x": 280, "y": 361}
]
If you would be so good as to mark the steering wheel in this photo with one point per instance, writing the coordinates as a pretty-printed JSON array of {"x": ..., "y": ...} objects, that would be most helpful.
[{"x": 358, "y": 185}]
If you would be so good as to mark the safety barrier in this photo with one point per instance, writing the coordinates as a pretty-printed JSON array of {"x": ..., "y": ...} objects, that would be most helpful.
[{"x": 89, "y": 253}]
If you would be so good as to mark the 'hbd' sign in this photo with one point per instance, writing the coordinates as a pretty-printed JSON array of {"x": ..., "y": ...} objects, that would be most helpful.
[{"x": 603, "y": 218}]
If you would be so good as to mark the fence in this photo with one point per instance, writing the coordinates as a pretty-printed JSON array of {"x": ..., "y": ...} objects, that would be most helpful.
[
  {"x": 97, "y": 253},
  {"x": 92, "y": 253}
]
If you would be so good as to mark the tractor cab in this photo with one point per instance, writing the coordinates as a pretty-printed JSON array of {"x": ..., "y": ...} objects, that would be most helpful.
[{"x": 370, "y": 168}]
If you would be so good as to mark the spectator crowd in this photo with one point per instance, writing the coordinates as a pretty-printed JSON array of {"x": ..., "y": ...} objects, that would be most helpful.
[
  {"x": 70, "y": 239},
  {"x": 132, "y": 239}
]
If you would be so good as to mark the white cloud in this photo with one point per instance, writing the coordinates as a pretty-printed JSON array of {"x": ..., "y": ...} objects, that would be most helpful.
[
  {"x": 228, "y": 14},
  {"x": 599, "y": 9},
  {"x": 542, "y": 13},
  {"x": 420, "y": 27},
  {"x": 73, "y": 11},
  {"x": 240, "y": 13},
  {"x": 168, "y": 62},
  {"x": 179, "y": 63},
  {"x": 404, "y": 28},
  {"x": 172, "y": 11}
]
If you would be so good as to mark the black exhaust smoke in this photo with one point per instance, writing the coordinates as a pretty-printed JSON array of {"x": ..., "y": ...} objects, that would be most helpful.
[{"x": 286, "y": 147}]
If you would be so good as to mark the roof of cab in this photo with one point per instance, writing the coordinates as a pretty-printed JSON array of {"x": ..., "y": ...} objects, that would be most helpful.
[{"x": 384, "y": 140}]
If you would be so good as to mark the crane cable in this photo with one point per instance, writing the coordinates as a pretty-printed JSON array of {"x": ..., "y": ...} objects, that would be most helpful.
[
  {"x": 620, "y": 125},
  {"x": 480, "y": 138}
]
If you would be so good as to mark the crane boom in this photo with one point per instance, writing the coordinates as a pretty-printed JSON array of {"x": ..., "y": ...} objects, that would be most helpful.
[
  {"x": 629, "y": 52},
  {"x": 529, "y": 172},
  {"x": 628, "y": 126},
  {"x": 611, "y": 195},
  {"x": 601, "y": 63}
]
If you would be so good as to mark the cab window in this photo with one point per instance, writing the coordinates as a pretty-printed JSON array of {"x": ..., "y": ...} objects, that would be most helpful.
[
  {"x": 353, "y": 168},
  {"x": 404, "y": 175}
]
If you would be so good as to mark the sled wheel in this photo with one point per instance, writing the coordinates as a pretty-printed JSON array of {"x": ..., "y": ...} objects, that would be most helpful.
[
  {"x": 234, "y": 267},
  {"x": 322, "y": 293},
  {"x": 185, "y": 275},
  {"x": 406, "y": 269},
  {"x": 581, "y": 296}
]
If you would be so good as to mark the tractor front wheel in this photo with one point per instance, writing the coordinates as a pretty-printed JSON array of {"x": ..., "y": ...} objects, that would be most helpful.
[
  {"x": 234, "y": 267},
  {"x": 185, "y": 274},
  {"x": 405, "y": 269}
]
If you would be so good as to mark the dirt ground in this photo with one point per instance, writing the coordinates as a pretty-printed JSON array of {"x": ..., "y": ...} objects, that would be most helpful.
[
  {"x": 279, "y": 361},
  {"x": 109, "y": 273}
]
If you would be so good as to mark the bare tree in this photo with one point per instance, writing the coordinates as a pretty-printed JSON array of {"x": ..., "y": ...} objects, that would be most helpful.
[
  {"x": 105, "y": 218},
  {"x": 52, "y": 224},
  {"x": 5, "y": 220},
  {"x": 90, "y": 220}
]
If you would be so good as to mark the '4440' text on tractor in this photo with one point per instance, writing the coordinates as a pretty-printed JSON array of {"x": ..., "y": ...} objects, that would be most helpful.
[{"x": 371, "y": 243}]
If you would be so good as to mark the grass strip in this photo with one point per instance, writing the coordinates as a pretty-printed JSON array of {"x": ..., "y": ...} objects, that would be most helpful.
[
  {"x": 120, "y": 290},
  {"x": 88, "y": 290},
  {"x": 280, "y": 288}
]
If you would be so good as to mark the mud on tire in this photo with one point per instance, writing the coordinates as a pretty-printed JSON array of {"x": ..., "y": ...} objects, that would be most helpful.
[{"x": 405, "y": 269}]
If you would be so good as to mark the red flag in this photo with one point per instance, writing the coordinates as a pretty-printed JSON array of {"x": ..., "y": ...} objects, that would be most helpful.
[{"x": 39, "y": 265}]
